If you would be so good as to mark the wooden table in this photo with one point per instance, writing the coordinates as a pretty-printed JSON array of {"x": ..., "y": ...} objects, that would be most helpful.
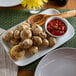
[{"x": 51, "y": 4}]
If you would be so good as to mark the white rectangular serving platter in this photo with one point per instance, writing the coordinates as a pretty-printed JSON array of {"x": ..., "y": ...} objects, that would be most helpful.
[{"x": 61, "y": 40}]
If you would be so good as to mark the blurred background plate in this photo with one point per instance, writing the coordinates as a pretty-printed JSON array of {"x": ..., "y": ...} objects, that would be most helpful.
[
  {"x": 60, "y": 62},
  {"x": 9, "y": 3}
]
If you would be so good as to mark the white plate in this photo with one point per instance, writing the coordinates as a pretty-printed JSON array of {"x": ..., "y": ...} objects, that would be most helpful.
[
  {"x": 61, "y": 40},
  {"x": 9, "y": 3},
  {"x": 60, "y": 62}
]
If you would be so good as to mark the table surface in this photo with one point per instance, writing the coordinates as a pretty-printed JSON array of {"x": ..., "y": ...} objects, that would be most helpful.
[{"x": 51, "y": 4}]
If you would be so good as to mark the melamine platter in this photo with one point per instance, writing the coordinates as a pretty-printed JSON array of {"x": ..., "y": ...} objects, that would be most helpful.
[{"x": 60, "y": 41}]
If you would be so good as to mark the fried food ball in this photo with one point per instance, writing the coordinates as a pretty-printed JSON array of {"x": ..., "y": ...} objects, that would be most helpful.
[
  {"x": 43, "y": 35},
  {"x": 17, "y": 53},
  {"x": 33, "y": 50},
  {"x": 37, "y": 40},
  {"x": 23, "y": 26},
  {"x": 16, "y": 34},
  {"x": 52, "y": 41},
  {"x": 25, "y": 23},
  {"x": 8, "y": 36},
  {"x": 27, "y": 43},
  {"x": 14, "y": 42},
  {"x": 36, "y": 29},
  {"x": 26, "y": 34},
  {"x": 45, "y": 43}
]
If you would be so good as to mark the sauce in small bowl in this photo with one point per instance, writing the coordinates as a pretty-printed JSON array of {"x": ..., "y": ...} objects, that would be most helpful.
[{"x": 56, "y": 26}]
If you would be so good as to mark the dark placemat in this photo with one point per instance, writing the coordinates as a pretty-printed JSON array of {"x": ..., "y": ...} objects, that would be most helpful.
[{"x": 11, "y": 17}]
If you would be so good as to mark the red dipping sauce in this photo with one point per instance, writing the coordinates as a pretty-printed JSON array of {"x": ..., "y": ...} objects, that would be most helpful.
[{"x": 56, "y": 27}]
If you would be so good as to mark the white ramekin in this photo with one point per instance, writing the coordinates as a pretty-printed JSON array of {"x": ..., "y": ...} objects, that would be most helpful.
[{"x": 54, "y": 17}]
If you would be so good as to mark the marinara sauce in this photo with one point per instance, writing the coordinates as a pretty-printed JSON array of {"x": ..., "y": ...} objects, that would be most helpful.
[{"x": 56, "y": 27}]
